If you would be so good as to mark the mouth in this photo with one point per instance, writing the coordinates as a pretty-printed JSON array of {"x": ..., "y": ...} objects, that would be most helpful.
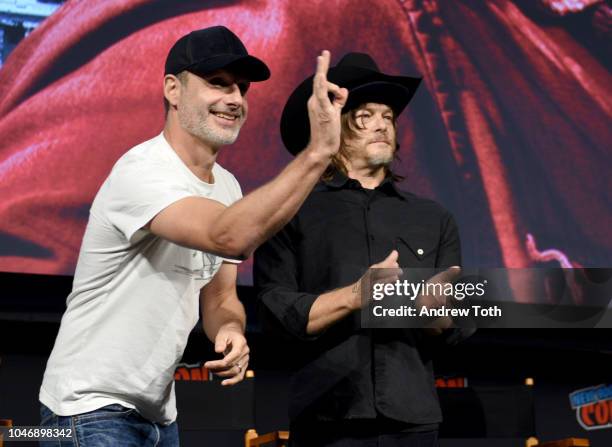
[
  {"x": 380, "y": 141},
  {"x": 229, "y": 117}
]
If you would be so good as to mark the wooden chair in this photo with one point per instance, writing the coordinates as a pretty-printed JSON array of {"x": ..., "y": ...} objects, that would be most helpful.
[
  {"x": 569, "y": 442},
  {"x": 4, "y": 423},
  {"x": 276, "y": 439}
]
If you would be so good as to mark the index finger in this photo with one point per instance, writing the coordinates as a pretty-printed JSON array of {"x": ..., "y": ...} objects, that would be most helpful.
[
  {"x": 235, "y": 353},
  {"x": 319, "y": 82},
  {"x": 323, "y": 63}
]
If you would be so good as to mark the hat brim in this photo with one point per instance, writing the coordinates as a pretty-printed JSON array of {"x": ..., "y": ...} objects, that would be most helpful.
[
  {"x": 396, "y": 96},
  {"x": 248, "y": 66},
  {"x": 364, "y": 86}
]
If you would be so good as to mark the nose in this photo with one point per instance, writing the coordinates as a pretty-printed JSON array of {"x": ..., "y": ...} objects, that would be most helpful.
[
  {"x": 380, "y": 123},
  {"x": 233, "y": 98}
]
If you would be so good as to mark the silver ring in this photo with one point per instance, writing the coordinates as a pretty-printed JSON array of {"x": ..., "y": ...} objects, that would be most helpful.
[{"x": 239, "y": 367}]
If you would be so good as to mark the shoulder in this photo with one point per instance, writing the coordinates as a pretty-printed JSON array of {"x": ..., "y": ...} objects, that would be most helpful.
[
  {"x": 145, "y": 155},
  {"x": 143, "y": 166}
]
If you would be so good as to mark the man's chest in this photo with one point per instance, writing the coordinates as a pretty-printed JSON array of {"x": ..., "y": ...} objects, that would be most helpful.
[{"x": 340, "y": 238}]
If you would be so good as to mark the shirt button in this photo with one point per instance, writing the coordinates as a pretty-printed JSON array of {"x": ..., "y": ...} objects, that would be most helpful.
[
  {"x": 371, "y": 237},
  {"x": 420, "y": 252}
]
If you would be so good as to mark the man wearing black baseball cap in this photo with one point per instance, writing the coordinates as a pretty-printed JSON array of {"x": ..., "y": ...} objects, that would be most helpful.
[
  {"x": 166, "y": 231},
  {"x": 355, "y": 386}
]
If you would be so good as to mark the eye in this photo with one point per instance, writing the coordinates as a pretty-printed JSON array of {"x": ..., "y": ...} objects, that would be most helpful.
[
  {"x": 362, "y": 118},
  {"x": 218, "y": 81},
  {"x": 244, "y": 87},
  {"x": 388, "y": 117}
]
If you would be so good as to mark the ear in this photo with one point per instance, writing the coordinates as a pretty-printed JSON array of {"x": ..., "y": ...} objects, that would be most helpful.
[{"x": 172, "y": 89}]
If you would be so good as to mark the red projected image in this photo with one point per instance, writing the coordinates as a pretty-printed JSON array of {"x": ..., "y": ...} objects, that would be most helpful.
[{"x": 510, "y": 129}]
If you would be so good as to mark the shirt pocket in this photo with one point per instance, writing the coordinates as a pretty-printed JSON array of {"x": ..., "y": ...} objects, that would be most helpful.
[{"x": 418, "y": 249}]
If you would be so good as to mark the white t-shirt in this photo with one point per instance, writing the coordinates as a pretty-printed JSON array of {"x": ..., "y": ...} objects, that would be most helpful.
[{"x": 135, "y": 297}]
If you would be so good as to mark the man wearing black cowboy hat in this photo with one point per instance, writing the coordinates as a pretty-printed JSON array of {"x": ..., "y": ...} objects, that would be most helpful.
[
  {"x": 166, "y": 230},
  {"x": 354, "y": 386}
]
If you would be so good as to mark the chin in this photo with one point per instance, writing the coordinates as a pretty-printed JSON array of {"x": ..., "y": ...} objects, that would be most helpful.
[
  {"x": 381, "y": 158},
  {"x": 380, "y": 162}
]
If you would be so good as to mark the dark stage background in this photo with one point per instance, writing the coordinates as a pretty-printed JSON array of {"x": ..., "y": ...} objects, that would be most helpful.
[{"x": 559, "y": 361}]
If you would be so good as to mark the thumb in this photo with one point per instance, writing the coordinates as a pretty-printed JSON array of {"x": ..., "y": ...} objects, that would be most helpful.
[
  {"x": 392, "y": 258},
  {"x": 341, "y": 97},
  {"x": 220, "y": 344}
]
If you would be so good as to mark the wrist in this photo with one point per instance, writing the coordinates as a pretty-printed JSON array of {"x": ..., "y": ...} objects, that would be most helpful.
[
  {"x": 318, "y": 156},
  {"x": 232, "y": 326},
  {"x": 353, "y": 296}
]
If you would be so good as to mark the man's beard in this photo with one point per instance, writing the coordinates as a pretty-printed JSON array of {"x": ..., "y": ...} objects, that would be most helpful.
[
  {"x": 199, "y": 125},
  {"x": 379, "y": 160}
]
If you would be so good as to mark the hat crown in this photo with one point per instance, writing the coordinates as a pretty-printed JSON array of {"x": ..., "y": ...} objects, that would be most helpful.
[
  {"x": 213, "y": 41},
  {"x": 358, "y": 60}
]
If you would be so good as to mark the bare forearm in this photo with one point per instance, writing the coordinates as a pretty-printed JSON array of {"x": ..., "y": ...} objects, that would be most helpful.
[
  {"x": 331, "y": 307},
  {"x": 225, "y": 314},
  {"x": 260, "y": 214}
]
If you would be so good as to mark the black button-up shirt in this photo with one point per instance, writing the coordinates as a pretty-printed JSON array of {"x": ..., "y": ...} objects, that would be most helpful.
[{"x": 349, "y": 372}]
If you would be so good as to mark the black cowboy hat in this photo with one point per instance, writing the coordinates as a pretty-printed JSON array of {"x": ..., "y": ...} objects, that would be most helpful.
[
  {"x": 365, "y": 82},
  {"x": 203, "y": 51}
]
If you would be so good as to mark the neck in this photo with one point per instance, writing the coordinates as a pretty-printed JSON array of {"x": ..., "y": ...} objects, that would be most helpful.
[
  {"x": 369, "y": 177},
  {"x": 197, "y": 155}
]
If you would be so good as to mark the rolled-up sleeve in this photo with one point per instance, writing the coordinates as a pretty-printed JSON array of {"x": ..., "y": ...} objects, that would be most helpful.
[{"x": 275, "y": 274}]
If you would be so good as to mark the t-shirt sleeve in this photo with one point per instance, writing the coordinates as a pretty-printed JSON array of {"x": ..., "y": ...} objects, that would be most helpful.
[
  {"x": 136, "y": 192},
  {"x": 236, "y": 194}
]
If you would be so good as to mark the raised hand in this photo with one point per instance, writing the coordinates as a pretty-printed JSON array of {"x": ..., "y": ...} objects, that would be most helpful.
[{"x": 324, "y": 114}]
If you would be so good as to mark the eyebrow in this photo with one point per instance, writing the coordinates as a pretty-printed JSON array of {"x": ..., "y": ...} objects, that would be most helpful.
[{"x": 386, "y": 109}]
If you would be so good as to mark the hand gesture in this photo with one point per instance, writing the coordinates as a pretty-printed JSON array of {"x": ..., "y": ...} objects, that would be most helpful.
[
  {"x": 386, "y": 271},
  {"x": 232, "y": 344},
  {"x": 324, "y": 114}
]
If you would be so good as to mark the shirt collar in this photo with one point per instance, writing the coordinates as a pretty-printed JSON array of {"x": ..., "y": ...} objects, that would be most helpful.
[{"x": 340, "y": 181}]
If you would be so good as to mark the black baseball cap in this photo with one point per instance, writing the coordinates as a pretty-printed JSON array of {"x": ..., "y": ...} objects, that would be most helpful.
[{"x": 206, "y": 50}]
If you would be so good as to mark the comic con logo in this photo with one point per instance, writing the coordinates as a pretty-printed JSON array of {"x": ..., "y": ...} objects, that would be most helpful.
[{"x": 593, "y": 406}]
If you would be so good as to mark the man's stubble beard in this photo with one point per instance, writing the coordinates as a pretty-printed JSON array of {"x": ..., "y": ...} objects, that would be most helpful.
[
  {"x": 198, "y": 124},
  {"x": 380, "y": 160}
]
